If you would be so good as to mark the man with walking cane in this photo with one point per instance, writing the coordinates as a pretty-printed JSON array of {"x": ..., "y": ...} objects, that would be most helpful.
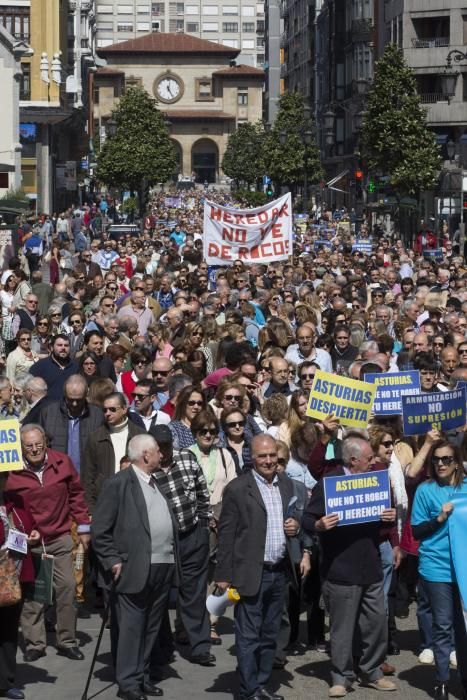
[{"x": 134, "y": 538}]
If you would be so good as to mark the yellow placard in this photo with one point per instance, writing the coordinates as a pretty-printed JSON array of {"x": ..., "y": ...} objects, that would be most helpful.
[
  {"x": 11, "y": 458},
  {"x": 349, "y": 400}
]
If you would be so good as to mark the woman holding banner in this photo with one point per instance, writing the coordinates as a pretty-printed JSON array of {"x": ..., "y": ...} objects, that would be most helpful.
[{"x": 431, "y": 509}]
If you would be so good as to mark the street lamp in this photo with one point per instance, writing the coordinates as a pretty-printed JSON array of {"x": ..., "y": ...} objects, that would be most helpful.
[
  {"x": 451, "y": 149},
  {"x": 111, "y": 127},
  {"x": 449, "y": 77}
]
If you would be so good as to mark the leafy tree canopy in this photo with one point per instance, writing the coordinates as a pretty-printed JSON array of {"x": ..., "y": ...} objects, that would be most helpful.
[
  {"x": 285, "y": 163},
  {"x": 141, "y": 148},
  {"x": 243, "y": 159},
  {"x": 396, "y": 140}
]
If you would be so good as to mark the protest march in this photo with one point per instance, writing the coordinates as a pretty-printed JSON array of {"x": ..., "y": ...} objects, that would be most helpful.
[{"x": 231, "y": 435}]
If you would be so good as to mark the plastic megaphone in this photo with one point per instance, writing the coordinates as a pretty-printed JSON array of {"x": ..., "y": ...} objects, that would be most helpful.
[{"x": 218, "y": 604}]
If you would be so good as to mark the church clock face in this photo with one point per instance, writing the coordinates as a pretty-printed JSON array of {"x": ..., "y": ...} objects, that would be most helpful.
[{"x": 168, "y": 88}]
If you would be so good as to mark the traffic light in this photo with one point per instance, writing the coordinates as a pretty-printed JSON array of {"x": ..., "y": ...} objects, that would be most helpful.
[
  {"x": 269, "y": 190},
  {"x": 464, "y": 201},
  {"x": 359, "y": 175},
  {"x": 359, "y": 184},
  {"x": 371, "y": 186}
]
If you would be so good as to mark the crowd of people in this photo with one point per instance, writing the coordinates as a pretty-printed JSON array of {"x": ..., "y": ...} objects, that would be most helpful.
[{"x": 167, "y": 452}]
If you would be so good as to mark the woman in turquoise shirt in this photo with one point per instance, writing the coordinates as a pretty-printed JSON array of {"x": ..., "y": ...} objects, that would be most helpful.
[{"x": 431, "y": 510}]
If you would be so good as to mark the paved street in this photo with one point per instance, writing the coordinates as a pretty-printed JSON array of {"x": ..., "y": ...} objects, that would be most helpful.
[{"x": 306, "y": 676}]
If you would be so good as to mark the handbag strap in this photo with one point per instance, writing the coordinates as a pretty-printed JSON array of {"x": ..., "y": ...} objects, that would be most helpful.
[{"x": 223, "y": 461}]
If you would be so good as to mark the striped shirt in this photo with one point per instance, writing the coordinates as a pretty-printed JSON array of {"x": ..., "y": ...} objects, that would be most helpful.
[{"x": 274, "y": 549}]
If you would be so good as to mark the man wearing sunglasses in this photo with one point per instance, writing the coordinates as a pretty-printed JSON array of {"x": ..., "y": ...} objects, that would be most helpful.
[
  {"x": 106, "y": 446},
  {"x": 142, "y": 411}
]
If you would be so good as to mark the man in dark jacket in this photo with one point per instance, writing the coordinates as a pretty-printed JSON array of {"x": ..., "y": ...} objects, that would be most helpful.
[
  {"x": 70, "y": 421},
  {"x": 258, "y": 567},
  {"x": 106, "y": 446},
  {"x": 352, "y": 578}
]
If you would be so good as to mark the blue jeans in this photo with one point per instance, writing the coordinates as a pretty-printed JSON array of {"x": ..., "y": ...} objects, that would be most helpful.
[
  {"x": 257, "y": 622},
  {"x": 424, "y": 617},
  {"x": 387, "y": 562},
  {"x": 447, "y": 614}
]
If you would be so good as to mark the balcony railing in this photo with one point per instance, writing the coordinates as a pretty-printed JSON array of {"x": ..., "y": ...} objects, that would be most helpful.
[
  {"x": 434, "y": 43},
  {"x": 362, "y": 26},
  {"x": 429, "y": 98}
]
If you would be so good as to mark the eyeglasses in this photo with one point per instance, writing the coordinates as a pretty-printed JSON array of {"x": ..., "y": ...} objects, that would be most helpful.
[
  {"x": 193, "y": 402},
  {"x": 445, "y": 460},
  {"x": 30, "y": 448},
  {"x": 307, "y": 376},
  {"x": 236, "y": 424},
  {"x": 139, "y": 396},
  {"x": 387, "y": 443},
  {"x": 45, "y": 323},
  {"x": 335, "y": 295},
  {"x": 463, "y": 351},
  {"x": 441, "y": 345},
  {"x": 26, "y": 337},
  {"x": 161, "y": 372},
  {"x": 282, "y": 461},
  {"x": 31, "y": 301},
  {"x": 56, "y": 315},
  {"x": 207, "y": 431},
  {"x": 111, "y": 409},
  {"x": 112, "y": 289},
  {"x": 232, "y": 397},
  {"x": 197, "y": 335},
  {"x": 142, "y": 363}
]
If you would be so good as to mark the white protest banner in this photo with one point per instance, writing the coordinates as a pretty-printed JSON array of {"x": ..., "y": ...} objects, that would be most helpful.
[{"x": 258, "y": 235}]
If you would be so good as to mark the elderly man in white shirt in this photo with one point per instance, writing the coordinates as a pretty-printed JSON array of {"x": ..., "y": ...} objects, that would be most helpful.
[{"x": 305, "y": 348}]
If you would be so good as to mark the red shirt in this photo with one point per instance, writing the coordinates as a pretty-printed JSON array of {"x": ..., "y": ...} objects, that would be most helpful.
[{"x": 54, "y": 502}]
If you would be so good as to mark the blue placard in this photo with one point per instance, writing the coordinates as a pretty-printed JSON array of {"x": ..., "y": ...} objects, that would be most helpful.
[
  {"x": 440, "y": 410},
  {"x": 391, "y": 388},
  {"x": 359, "y": 498},
  {"x": 324, "y": 244},
  {"x": 362, "y": 245},
  {"x": 436, "y": 254}
]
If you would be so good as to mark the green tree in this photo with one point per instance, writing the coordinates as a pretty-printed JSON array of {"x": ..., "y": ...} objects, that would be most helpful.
[
  {"x": 395, "y": 138},
  {"x": 243, "y": 157},
  {"x": 285, "y": 163},
  {"x": 141, "y": 151}
]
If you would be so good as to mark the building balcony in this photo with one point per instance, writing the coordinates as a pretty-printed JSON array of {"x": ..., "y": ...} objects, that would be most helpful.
[
  {"x": 434, "y": 43},
  {"x": 428, "y": 98},
  {"x": 284, "y": 10},
  {"x": 362, "y": 29}
]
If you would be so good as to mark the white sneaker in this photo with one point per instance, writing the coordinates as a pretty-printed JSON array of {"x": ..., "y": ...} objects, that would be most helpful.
[
  {"x": 426, "y": 657},
  {"x": 453, "y": 659}
]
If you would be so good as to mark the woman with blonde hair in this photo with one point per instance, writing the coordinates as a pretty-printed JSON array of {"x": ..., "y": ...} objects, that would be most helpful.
[
  {"x": 160, "y": 336},
  {"x": 304, "y": 313},
  {"x": 195, "y": 335},
  {"x": 296, "y": 416}
]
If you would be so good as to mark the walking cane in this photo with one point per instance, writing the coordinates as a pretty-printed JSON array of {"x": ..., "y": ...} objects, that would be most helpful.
[{"x": 105, "y": 617}]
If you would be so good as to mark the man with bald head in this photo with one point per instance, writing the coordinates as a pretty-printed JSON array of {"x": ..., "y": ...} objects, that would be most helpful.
[
  {"x": 258, "y": 567},
  {"x": 35, "y": 393},
  {"x": 69, "y": 422},
  {"x": 449, "y": 362}
]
